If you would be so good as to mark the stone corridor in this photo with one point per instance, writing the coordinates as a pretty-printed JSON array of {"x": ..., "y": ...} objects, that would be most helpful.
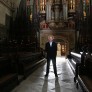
[{"x": 36, "y": 82}]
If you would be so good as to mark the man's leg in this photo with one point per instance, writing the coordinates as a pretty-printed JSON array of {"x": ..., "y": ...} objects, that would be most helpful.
[
  {"x": 47, "y": 68},
  {"x": 54, "y": 67}
]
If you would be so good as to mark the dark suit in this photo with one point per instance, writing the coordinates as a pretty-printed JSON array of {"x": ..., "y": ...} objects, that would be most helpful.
[{"x": 51, "y": 55}]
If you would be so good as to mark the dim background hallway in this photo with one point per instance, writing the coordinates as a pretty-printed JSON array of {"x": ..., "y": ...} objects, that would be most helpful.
[
  {"x": 24, "y": 29},
  {"x": 36, "y": 82}
]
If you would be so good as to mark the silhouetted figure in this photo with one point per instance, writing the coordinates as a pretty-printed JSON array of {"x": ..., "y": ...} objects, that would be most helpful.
[
  {"x": 88, "y": 63},
  {"x": 51, "y": 50}
]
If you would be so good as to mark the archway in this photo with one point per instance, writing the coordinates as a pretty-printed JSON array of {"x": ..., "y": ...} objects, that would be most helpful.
[
  {"x": 62, "y": 46},
  {"x": 58, "y": 49}
]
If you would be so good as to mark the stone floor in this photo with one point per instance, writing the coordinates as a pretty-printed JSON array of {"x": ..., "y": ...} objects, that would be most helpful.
[{"x": 36, "y": 82}]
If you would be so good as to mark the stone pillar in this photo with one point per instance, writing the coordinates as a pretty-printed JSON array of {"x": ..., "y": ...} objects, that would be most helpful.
[
  {"x": 65, "y": 10},
  {"x": 48, "y": 11},
  {"x": 57, "y": 13},
  {"x": 52, "y": 15},
  {"x": 57, "y": 9}
]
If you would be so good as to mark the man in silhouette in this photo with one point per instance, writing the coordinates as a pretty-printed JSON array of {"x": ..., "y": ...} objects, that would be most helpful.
[{"x": 51, "y": 50}]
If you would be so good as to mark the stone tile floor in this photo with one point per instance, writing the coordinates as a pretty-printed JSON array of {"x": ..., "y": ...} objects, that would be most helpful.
[{"x": 36, "y": 82}]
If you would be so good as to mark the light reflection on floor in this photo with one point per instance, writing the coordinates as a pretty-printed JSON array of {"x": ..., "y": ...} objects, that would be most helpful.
[{"x": 36, "y": 82}]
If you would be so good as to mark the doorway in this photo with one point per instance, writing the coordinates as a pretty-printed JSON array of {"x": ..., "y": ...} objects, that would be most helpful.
[
  {"x": 61, "y": 49},
  {"x": 58, "y": 49}
]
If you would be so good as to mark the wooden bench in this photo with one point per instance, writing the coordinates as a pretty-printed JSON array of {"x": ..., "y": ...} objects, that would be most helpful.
[
  {"x": 8, "y": 75},
  {"x": 82, "y": 76},
  {"x": 29, "y": 62}
]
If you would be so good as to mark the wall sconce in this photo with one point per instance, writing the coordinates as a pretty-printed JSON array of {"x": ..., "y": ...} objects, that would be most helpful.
[
  {"x": 31, "y": 16},
  {"x": 84, "y": 13}
]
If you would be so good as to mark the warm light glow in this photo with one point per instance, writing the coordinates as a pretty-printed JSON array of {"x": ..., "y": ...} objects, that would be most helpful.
[
  {"x": 72, "y": 5},
  {"x": 84, "y": 13},
  {"x": 71, "y": 1},
  {"x": 42, "y": 5},
  {"x": 31, "y": 16},
  {"x": 87, "y": 1}
]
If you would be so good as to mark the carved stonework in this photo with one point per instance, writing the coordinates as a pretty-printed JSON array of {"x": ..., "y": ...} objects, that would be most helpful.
[
  {"x": 64, "y": 37},
  {"x": 55, "y": 19}
]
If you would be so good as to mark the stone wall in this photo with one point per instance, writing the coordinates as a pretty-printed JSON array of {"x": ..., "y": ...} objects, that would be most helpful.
[
  {"x": 67, "y": 36},
  {"x": 44, "y": 37},
  {"x": 4, "y": 11}
]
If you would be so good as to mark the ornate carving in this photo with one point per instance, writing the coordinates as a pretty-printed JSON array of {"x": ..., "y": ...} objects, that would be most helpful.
[{"x": 56, "y": 15}]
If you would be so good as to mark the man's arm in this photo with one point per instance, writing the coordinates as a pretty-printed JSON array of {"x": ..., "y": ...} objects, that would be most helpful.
[{"x": 56, "y": 47}]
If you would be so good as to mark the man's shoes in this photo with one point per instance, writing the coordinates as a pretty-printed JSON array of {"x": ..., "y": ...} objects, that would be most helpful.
[
  {"x": 56, "y": 75},
  {"x": 46, "y": 75}
]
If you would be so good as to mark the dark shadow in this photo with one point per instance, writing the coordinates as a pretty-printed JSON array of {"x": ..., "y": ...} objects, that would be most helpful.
[
  {"x": 57, "y": 85},
  {"x": 45, "y": 85}
]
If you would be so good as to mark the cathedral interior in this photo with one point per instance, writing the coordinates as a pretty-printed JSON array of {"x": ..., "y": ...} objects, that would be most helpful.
[{"x": 24, "y": 29}]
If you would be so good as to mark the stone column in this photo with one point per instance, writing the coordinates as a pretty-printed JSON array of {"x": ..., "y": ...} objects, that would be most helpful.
[
  {"x": 57, "y": 13},
  {"x": 48, "y": 11},
  {"x": 65, "y": 10},
  {"x": 52, "y": 15}
]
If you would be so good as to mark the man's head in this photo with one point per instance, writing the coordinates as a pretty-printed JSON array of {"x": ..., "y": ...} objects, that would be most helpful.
[{"x": 50, "y": 38}]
